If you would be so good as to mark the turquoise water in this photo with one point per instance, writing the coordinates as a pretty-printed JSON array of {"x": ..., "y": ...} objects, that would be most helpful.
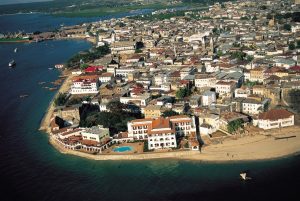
[
  {"x": 123, "y": 149},
  {"x": 31, "y": 169}
]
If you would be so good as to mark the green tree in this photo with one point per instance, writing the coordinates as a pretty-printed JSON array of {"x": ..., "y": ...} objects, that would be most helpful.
[
  {"x": 169, "y": 113},
  {"x": 263, "y": 7},
  {"x": 219, "y": 53},
  {"x": 292, "y": 46},
  {"x": 294, "y": 97},
  {"x": 234, "y": 125},
  {"x": 87, "y": 56},
  {"x": 249, "y": 58},
  {"x": 61, "y": 99},
  {"x": 287, "y": 27},
  {"x": 215, "y": 30},
  {"x": 269, "y": 16},
  {"x": 182, "y": 92},
  {"x": 115, "y": 106},
  {"x": 238, "y": 55}
]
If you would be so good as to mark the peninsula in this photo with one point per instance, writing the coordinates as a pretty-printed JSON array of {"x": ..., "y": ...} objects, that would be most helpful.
[{"x": 220, "y": 84}]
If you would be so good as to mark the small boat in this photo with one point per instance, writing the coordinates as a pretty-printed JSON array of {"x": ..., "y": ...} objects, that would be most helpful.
[
  {"x": 42, "y": 82},
  {"x": 24, "y": 95},
  {"x": 50, "y": 68},
  {"x": 12, "y": 63},
  {"x": 16, "y": 50},
  {"x": 243, "y": 176},
  {"x": 52, "y": 88}
]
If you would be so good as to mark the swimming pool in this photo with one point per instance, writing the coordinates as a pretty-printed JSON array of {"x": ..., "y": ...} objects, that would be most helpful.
[{"x": 123, "y": 149}]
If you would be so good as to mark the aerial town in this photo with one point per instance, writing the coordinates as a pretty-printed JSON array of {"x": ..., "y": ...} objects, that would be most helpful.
[{"x": 180, "y": 83}]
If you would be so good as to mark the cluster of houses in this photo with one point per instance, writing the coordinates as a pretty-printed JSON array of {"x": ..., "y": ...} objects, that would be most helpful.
[{"x": 234, "y": 60}]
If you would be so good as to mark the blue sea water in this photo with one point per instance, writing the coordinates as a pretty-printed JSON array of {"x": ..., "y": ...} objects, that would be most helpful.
[
  {"x": 31, "y": 169},
  {"x": 6, "y": 2},
  {"x": 46, "y": 22}
]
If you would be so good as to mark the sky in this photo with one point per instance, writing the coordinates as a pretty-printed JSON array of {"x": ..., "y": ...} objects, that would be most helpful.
[{"x": 3, "y": 2}]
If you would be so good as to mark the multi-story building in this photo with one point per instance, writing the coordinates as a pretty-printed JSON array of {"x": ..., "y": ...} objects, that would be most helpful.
[
  {"x": 152, "y": 111},
  {"x": 253, "y": 106},
  {"x": 257, "y": 75},
  {"x": 140, "y": 100},
  {"x": 275, "y": 119},
  {"x": 87, "y": 84},
  {"x": 205, "y": 81},
  {"x": 123, "y": 47},
  {"x": 242, "y": 93},
  {"x": 225, "y": 88},
  {"x": 162, "y": 134},
  {"x": 95, "y": 133},
  {"x": 182, "y": 125},
  {"x": 106, "y": 77},
  {"x": 208, "y": 98}
]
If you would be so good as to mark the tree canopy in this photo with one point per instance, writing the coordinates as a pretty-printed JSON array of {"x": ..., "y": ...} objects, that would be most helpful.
[
  {"x": 294, "y": 96},
  {"x": 234, "y": 125},
  {"x": 87, "y": 56},
  {"x": 61, "y": 99},
  {"x": 169, "y": 113},
  {"x": 116, "y": 120},
  {"x": 182, "y": 92}
]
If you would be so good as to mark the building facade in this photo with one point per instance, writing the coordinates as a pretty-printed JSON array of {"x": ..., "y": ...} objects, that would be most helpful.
[{"x": 275, "y": 119}]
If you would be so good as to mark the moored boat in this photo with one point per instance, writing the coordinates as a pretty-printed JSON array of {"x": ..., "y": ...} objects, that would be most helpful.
[
  {"x": 52, "y": 88},
  {"x": 12, "y": 63},
  {"x": 24, "y": 95},
  {"x": 243, "y": 175}
]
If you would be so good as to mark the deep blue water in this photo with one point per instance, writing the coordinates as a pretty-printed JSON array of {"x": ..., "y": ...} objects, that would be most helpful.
[
  {"x": 44, "y": 22},
  {"x": 31, "y": 169},
  {"x": 5, "y": 2}
]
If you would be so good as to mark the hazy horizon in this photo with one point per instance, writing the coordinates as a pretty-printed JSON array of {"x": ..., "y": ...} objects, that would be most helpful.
[{"x": 6, "y": 2}]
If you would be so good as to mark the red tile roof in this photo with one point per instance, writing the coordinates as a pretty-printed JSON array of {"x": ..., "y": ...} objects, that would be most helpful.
[{"x": 275, "y": 114}]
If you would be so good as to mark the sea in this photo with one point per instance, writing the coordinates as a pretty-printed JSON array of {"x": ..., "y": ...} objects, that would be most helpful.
[{"x": 31, "y": 169}]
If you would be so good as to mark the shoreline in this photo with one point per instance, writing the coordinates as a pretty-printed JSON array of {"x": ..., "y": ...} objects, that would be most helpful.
[
  {"x": 207, "y": 154},
  {"x": 248, "y": 148}
]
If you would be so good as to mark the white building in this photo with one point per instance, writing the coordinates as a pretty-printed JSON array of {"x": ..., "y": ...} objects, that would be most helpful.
[
  {"x": 181, "y": 124},
  {"x": 205, "y": 81},
  {"x": 242, "y": 93},
  {"x": 225, "y": 88},
  {"x": 85, "y": 85},
  {"x": 162, "y": 138},
  {"x": 208, "y": 123},
  {"x": 208, "y": 98},
  {"x": 141, "y": 100},
  {"x": 123, "y": 47},
  {"x": 106, "y": 77},
  {"x": 123, "y": 72},
  {"x": 95, "y": 133},
  {"x": 252, "y": 106},
  {"x": 275, "y": 119},
  {"x": 160, "y": 79}
]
